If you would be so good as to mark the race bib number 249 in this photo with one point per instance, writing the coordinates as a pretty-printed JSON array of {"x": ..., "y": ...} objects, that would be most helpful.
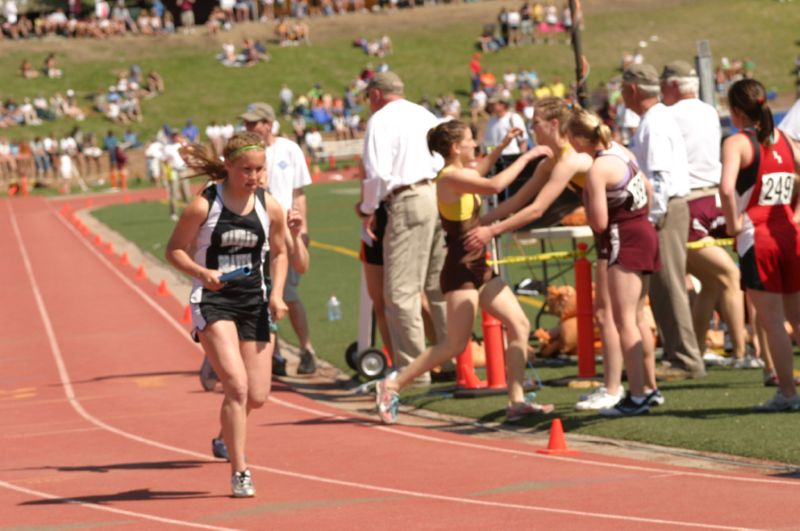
[{"x": 776, "y": 189}]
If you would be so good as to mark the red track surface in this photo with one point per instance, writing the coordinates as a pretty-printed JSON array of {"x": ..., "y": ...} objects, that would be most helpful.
[{"x": 104, "y": 424}]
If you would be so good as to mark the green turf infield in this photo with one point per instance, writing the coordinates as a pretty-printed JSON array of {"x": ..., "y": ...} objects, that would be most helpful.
[{"x": 712, "y": 415}]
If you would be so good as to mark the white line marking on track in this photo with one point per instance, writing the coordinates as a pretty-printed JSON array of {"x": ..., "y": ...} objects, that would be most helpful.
[
  {"x": 661, "y": 472},
  {"x": 106, "y": 508},
  {"x": 63, "y": 374}
]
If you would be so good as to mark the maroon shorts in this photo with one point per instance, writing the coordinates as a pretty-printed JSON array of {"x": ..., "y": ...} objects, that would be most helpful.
[
  {"x": 772, "y": 263},
  {"x": 633, "y": 244},
  {"x": 706, "y": 218}
]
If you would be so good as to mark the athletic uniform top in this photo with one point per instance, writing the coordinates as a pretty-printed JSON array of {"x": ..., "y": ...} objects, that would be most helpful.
[
  {"x": 460, "y": 210},
  {"x": 627, "y": 199},
  {"x": 462, "y": 269},
  {"x": 227, "y": 241},
  {"x": 578, "y": 181},
  {"x": 764, "y": 192}
]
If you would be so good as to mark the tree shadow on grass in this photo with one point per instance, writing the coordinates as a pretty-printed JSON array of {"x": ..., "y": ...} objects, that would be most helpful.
[{"x": 128, "y": 495}]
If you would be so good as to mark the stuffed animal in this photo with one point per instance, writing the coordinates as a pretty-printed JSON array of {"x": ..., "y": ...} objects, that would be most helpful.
[{"x": 561, "y": 339}]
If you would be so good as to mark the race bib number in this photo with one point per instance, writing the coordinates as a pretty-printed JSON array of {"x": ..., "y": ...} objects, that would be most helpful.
[
  {"x": 638, "y": 192},
  {"x": 776, "y": 189}
]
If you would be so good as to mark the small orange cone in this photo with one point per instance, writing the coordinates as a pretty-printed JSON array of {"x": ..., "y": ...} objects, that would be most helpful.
[
  {"x": 98, "y": 240},
  {"x": 123, "y": 260},
  {"x": 558, "y": 443},
  {"x": 332, "y": 162},
  {"x": 187, "y": 315},
  {"x": 315, "y": 173},
  {"x": 109, "y": 247},
  {"x": 65, "y": 210},
  {"x": 126, "y": 199},
  {"x": 163, "y": 290},
  {"x": 140, "y": 274}
]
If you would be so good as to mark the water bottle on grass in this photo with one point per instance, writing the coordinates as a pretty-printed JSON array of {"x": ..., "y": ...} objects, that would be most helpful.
[{"x": 334, "y": 309}]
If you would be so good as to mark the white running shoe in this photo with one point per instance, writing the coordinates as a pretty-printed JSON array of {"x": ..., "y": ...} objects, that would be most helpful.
[
  {"x": 748, "y": 362},
  {"x": 779, "y": 403},
  {"x": 602, "y": 400},
  {"x": 387, "y": 401},
  {"x": 242, "y": 485},
  {"x": 596, "y": 391}
]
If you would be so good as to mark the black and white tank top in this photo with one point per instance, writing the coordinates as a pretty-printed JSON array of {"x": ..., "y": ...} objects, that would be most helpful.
[{"x": 227, "y": 241}]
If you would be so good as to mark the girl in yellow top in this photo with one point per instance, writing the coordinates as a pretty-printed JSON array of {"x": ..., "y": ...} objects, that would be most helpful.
[
  {"x": 567, "y": 169},
  {"x": 466, "y": 279}
]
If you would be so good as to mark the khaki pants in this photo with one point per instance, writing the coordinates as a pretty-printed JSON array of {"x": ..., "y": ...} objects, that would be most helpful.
[
  {"x": 668, "y": 297},
  {"x": 178, "y": 190},
  {"x": 413, "y": 255}
]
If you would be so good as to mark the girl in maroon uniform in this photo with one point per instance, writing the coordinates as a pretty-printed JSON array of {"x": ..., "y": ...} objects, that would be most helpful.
[
  {"x": 616, "y": 197},
  {"x": 759, "y": 173}
]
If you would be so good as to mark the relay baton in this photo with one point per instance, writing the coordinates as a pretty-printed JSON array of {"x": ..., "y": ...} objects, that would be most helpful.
[{"x": 236, "y": 273}]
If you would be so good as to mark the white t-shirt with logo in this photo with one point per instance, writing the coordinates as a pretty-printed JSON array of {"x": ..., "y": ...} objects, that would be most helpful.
[{"x": 286, "y": 171}]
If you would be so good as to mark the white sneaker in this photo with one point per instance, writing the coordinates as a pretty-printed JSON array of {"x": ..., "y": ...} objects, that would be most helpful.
[
  {"x": 712, "y": 358},
  {"x": 748, "y": 362},
  {"x": 595, "y": 392},
  {"x": 602, "y": 400},
  {"x": 242, "y": 485}
]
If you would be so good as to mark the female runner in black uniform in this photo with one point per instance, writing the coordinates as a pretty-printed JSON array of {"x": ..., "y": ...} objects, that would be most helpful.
[{"x": 233, "y": 223}]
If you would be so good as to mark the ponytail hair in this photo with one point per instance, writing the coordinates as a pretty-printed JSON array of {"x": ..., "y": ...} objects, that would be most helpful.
[
  {"x": 587, "y": 125},
  {"x": 198, "y": 158},
  {"x": 749, "y": 97},
  {"x": 443, "y": 136}
]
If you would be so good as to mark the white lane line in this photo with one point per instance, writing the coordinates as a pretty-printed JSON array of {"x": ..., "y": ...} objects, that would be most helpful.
[
  {"x": 661, "y": 472},
  {"x": 68, "y": 390},
  {"x": 415, "y": 494},
  {"x": 106, "y": 508}
]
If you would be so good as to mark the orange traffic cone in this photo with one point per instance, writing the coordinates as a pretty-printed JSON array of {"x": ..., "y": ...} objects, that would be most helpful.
[
  {"x": 187, "y": 315},
  {"x": 163, "y": 290},
  {"x": 98, "y": 240},
  {"x": 140, "y": 274},
  {"x": 65, "y": 210},
  {"x": 109, "y": 247},
  {"x": 557, "y": 443},
  {"x": 126, "y": 199},
  {"x": 123, "y": 260}
]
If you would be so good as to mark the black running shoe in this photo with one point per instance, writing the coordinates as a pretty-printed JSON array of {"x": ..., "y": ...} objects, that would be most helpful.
[
  {"x": 278, "y": 365},
  {"x": 308, "y": 364},
  {"x": 627, "y": 407}
]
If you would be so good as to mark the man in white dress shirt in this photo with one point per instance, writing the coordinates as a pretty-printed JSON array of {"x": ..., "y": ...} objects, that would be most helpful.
[
  {"x": 661, "y": 153},
  {"x": 400, "y": 171}
]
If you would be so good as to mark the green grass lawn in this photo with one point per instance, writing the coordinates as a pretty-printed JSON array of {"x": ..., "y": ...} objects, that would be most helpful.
[{"x": 713, "y": 414}]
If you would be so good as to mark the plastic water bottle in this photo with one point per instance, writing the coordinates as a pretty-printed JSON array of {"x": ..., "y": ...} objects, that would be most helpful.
[{"x": 334, "y": 309}]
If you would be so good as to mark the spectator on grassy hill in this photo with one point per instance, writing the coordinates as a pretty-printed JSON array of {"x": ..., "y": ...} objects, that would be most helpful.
[
  {"x": 313, "y": 143},
  {"x": 187, "y": 15},
  {"x": 713, "y": 266},
  {"x": 759, "y": 167},
  {"x": 399, "y": 170},
  {"x": 27, "y": 71},
  {"x": 92, "y": 154},
  {"x": 661, "y": 153},
  {"x": 154, "y": 159},
  {"x": 288, "y": 175},
  {"x": 190, "y": 131},
  {"x": 286, "y": 97}
]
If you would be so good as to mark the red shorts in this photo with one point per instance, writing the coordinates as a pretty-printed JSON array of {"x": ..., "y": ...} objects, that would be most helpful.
[
  {"x": 772, "y": 263},
  {"x": 706, "y": 218},
  {"x": 633, "y": 244}
]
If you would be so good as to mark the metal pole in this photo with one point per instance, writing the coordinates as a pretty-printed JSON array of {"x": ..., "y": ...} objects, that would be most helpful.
[{"x": 580, "y": 82}]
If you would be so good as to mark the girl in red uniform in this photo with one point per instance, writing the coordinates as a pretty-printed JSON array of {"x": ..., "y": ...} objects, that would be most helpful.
[
  {"x": 616, "y": 196},
  {"x": 759, "y": 173}
]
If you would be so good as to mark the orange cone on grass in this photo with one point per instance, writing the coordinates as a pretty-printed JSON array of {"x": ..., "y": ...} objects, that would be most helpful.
[
  {"x": 109, "y": 247},
  {"x": 558, "y": 442},
  {"x": 98, "y": 240}
]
